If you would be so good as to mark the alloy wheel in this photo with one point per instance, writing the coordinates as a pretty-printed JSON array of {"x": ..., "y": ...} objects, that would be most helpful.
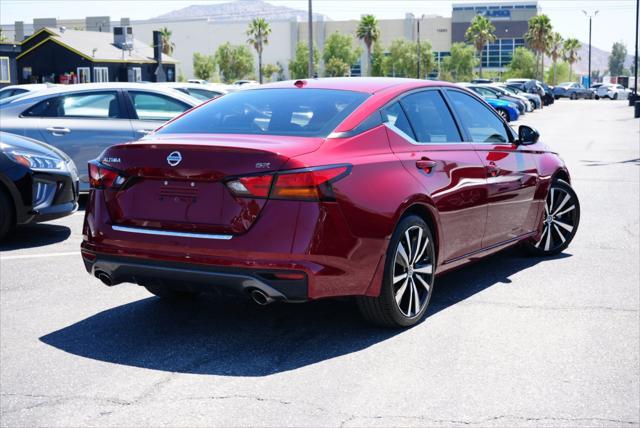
[
  {"x": 560, "y": 219},
  {"x": 504, "y": 114},
  {"x": 413, "y": 271}
]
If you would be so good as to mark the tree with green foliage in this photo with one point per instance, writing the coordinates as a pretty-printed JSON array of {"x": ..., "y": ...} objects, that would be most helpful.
[
  {"x": 3, "y": 38},
  {"x": 560, "y": 72},
  {"x": 458, "y": 67},
  {"x": 299, "y": 65},
  {"x": 538, "y": 37},
  {"x": 377, "y": 61},
  {"x": 571, "y": 47},
  {"x": 555, "y": 51},
  {"x": 339, "y": 54},
  {"x": 523, "y": 64},
  {"x": 203, "y": 66},
  {"x": 234, "y": 61},
  {"x": 268, "y": 70},
  {"x": 165, "y": 38},
  {"x": 617, "y": 58},
  {"x": 369, "y": 33},
  {"x": 480, "y": 32},
  {"x": 258, "y": 36},
  {"x": 402, "y": 60}
]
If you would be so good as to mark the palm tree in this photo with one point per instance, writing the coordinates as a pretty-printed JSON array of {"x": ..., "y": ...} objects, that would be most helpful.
[
  {"x": 369, "y": 33},
  {"x": 571, "y": 48},
  {"x": 258, "y": 33},
  {"x": 167, "y": 45},
  {"x": 2, "y": 37},
  {"x": 555, "y": 52},
  {"x": 538, "y": 37},
  {"x": 480, "y": 32}
]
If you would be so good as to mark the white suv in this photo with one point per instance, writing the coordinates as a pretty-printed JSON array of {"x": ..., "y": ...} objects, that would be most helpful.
[{"x": 613, "y": 91}]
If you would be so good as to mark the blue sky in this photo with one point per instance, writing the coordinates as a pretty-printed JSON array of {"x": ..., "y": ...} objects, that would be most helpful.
[{"x": 614, "y": 22}]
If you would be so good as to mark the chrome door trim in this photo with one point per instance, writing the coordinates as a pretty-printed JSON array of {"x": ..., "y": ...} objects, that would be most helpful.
[{"x": 170, "y": 233}]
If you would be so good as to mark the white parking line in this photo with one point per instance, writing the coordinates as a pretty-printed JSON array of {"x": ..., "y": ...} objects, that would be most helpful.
[{"x": 37, "y": 256}]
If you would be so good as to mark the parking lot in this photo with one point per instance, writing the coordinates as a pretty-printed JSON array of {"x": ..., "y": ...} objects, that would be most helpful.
[{"x": 509, "y": 341}]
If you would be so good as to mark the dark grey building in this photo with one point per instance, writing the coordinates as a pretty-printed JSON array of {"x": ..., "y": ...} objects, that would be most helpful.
[
  {"x": 8, "y": 64},
  {"x": 511, "y": 21}
]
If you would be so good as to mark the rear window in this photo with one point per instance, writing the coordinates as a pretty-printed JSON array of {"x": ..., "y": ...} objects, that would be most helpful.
[{"x": 295, "y": 112}]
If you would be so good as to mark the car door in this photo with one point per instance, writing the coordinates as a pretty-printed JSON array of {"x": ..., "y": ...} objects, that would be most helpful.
[
  {"x": 425, "y": 137},
  {"x": 151, "y": 109},
  {"x": 83, "y": 124},
  {"x": 510, "y": 169}
]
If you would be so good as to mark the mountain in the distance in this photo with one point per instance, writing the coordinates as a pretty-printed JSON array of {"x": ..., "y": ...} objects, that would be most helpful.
[
  {"x": 242, "y": 10},
  {"x": 599, "y": 59}
]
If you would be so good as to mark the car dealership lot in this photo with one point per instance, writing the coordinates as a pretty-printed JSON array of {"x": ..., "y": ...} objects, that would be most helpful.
[{"x": 508, "y": 341}]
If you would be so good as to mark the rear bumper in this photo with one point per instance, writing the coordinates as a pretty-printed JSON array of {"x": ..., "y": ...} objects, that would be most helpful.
[{"x": 196, "y": 278}]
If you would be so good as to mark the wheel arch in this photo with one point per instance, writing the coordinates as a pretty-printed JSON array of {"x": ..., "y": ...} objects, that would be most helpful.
[
  {"x": 561, "y": 174},
  {"x": 426, "y": 210},
  {"x": 11, "y": 194}
]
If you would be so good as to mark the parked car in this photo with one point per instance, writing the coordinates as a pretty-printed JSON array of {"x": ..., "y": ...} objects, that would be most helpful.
[
  {"x": 547, "y": 96},
  {"x": 506, "y": 94},
  {"x": 571, "y": 90},
  {"x": 15, "y": 90},
  {"x": 509, "y": 111},
  {"x": 479, "y": 81},
  {"x": 298, "y": 191},
  {"x": 202, "y": 92},
  {"x": 82, "y": 120},
  {"x": 612, "y": 91},
  {"x": 489, "y": 93},
  {"x": 535, "y": 99},
  {"x": 533, "y": 86},
  {"x": 37, "y": 182}
]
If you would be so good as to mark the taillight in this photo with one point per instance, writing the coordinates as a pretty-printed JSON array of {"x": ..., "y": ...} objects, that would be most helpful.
[
  {"x": 101, "y": 177},
  {"x": 307, "y": 184}
]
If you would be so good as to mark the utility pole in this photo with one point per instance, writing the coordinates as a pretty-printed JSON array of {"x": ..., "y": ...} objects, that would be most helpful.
[
  {"x": 418, "y": 45},
  {"x": 310, "y": 70},
  {"x": 635, "y": 68},
  {"x": 590, "y": 17}
]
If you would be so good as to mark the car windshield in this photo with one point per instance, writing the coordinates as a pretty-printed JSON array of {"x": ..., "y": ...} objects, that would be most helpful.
[{"x": 295, "y": 112}]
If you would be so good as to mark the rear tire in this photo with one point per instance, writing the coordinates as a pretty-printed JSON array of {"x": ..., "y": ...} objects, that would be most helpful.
[
  {"x": 573, "y": 96},
  {"x": 409, "y": 274},
  {"x": 7, "y": 220},
  {"x": 615, "y": 96},
  {"x": 167, "y": 293},
  {"x": 597, "y": 97},
  {"x": 560, "y": 221}
]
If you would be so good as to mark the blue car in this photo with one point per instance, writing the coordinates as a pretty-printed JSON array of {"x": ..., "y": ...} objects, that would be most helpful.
[{"x": 506, "y": 109}]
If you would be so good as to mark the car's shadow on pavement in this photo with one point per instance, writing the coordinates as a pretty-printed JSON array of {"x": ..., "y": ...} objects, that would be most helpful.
[
  {"x": 35, "y": 235},
  {"x": 234, "y": 337}
]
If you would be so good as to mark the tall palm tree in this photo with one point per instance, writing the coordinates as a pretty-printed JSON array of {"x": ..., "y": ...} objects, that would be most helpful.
[
  {"x": 480, "y": 32},
  {"x": 369, "y": 33},
  {"x": 555, "y": 52},
  {"x": 571, "y": 48},
  {"x": 167, "y": 45},
  {"x": 258, "y": 33},
  {"x": 538, "y": 37}
]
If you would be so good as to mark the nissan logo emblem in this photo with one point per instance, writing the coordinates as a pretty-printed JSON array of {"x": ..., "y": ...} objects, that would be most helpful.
[{"x": 174, "y": 158}]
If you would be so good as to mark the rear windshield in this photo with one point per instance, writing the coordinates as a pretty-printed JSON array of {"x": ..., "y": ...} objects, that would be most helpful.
[{"x": 296, "y": 112}]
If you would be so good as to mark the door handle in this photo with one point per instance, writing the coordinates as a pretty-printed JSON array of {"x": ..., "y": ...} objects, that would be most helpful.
[
  {"x": 144, "y": 131},
  {"x": 426, "y": 164},
  {"x": 58, "y": 131}
]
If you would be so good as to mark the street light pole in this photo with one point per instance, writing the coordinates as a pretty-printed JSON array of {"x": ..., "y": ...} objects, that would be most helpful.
[
  {"x": 590, "y": 17},
  {"x": 635, "y": 67},
  {"x": 418, "y": 46},
  {"x": 310, "y": 69}
]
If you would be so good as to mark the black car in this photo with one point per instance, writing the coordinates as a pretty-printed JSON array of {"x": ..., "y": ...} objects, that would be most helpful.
[{"x": 37, "y": 182}]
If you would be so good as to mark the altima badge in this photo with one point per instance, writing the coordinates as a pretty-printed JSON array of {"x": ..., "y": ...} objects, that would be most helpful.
[{"x": 174, "y": 158}]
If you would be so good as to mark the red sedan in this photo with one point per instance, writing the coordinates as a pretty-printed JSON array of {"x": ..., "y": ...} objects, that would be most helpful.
[{"x": 297, "y": 191}]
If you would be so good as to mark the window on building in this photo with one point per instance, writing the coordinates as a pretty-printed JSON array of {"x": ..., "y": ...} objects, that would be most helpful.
[
  {"x": 100, "y": 74},
  {"x": 26, "y": 73},
  {"x": 135, "y": 74},
  {"x": 84, "y": 75},
  {"x": 5, "y": 74}
]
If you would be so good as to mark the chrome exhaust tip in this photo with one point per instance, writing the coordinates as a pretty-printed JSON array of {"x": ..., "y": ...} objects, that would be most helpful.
[
  {"x": 260, "y": 297},
  {"x": 105, "y": 278}
]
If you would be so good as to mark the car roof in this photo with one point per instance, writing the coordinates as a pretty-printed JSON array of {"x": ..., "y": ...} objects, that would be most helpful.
[{"x": 369, "y": 85}]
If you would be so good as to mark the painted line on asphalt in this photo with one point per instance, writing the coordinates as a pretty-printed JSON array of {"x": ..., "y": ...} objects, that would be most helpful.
[{"x": 38, "y": 256}]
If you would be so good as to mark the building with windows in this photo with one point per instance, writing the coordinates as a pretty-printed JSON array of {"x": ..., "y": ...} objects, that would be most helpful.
[
  {"x": 8, "y": 64},
  {"x": 59, "y": 55},
  {"x": 511, "y": 21}
]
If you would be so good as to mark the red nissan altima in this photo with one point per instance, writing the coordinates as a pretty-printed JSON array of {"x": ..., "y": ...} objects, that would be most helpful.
[{"x": 297, "y": 191}]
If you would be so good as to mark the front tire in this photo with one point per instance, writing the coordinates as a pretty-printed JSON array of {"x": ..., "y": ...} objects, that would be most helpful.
[
  {"x": 504, "y": 114},
  {"x": 573, "y": 96},
  {"x": 6, "y": 215},
  {"x": 615, "y": 96},
  {"x": 560, "y": 221},
  {"x": 409, "y": 275}
]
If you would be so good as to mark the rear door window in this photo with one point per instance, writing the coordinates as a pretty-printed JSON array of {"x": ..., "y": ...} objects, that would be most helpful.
[
  {"x": 93, "y": 105},
  {"x": 296, "y": 112},
  {"x": 395, "y": 116},
  {"x": 154, "y": 106},
  {"x": 430, "y": 118},
  {"x": 481, "y": 123}
]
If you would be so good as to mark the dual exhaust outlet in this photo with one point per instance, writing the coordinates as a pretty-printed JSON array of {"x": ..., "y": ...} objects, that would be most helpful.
[{"x": 258, "y": 296}]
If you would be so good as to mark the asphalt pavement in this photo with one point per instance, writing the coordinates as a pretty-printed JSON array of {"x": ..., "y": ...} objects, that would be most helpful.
[{"x": 509, "y": 341}]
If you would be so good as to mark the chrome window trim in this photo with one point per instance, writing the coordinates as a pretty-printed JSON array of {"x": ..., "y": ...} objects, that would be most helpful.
[{"x": 170, "y": 233}]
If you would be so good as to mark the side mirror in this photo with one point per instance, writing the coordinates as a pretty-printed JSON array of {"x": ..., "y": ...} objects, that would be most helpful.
[{"x": 527, "y": 135}]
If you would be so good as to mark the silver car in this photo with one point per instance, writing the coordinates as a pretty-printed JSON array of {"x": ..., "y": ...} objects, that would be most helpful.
[{"x": 82, "y": 120}]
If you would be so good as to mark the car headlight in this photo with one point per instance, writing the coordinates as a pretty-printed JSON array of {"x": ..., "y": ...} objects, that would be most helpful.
[{"x": 37, "y": 161}]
